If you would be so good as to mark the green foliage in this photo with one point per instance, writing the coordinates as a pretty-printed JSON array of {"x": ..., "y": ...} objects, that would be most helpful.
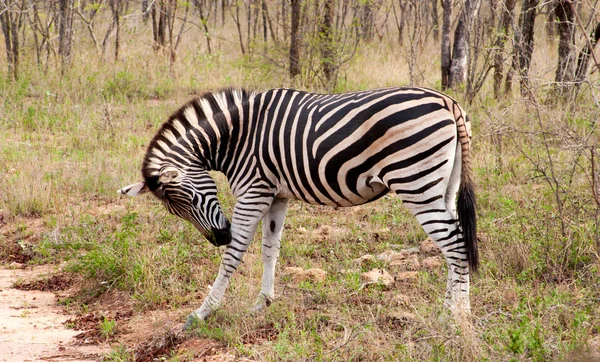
[
  {"x": 108, "y": 327},
  {"x": 119, "y": 353}
]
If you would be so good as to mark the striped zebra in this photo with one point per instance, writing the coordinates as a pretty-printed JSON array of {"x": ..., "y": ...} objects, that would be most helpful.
[{"x": 325, "y": 149}]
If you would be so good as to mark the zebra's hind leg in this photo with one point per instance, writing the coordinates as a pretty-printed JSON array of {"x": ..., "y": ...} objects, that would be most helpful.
[
  {"x": 440, "y": 223},
  {"x": 272, "y": 228}
]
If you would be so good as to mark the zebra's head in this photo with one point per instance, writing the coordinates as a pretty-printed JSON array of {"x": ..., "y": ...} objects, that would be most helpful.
[{"x": 190, "y": 195}]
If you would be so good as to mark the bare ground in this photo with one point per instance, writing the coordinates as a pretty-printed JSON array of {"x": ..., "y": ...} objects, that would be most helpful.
[{"x": 32, "y": 325}]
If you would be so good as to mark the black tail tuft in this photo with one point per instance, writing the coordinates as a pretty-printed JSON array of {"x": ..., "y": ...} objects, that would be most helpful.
[{"x": 466, "y": 206}]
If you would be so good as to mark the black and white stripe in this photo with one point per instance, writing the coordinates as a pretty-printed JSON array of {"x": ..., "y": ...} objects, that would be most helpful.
[{"x": 327, "y": 149}]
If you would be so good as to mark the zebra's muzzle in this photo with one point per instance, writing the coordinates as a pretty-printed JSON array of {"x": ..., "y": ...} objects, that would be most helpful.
[{"x": 221, "y": 237}]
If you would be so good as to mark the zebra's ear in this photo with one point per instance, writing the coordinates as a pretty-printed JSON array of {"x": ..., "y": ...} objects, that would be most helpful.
[
  {"x": 134, "y": 189},
  {"x": 168, "y": 174}
]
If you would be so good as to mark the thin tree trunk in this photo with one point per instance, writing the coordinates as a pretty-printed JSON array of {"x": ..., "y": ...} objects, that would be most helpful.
[
  {"x": 584, "y": 56},
  {"x": 263, "y": 6},
  {"x": 295, "y": 40},
  {"x": 461, "y": 49},
  {"x": 236, "y": 19},
  {"x": 327, "y": 51},
  {"x": 446, "y": 56},
  {"x": 435, "y": 19},
  {"x": 284, "y": 13},
  {"x": 566, "y": 47},
  {"x": 9, "y": 29},
  {"x": 367, "y": 20},
  {"x": 116, "y": 6},
  {"x": 145, "y": 11},
  {"x": 506, "y": 23},
  {"x": 550, "y": 21},
  {"x": 249, "y": 25},
  {"x": 525, "y": 45},
  {"x": 66, "y": 35},
  {"x": 223, "y": 7}
]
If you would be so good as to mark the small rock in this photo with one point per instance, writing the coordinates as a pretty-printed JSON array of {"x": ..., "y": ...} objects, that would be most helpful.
[
  {"x": 365, "y": 260},
  {"x": 315, "y": 275},
  {"x": 302, "y": 230},
  {"x": 402, "y": 299},
  {"x": 324, "y": 230},
  {"x": 403, "y": 317},
  {"x": 593, "y": 351},
  {"x": 292, "y": 271},
  {"x": 429, "y": 247},
  {"x": 411, "y": 250},
  {"x": 432, "y": 263},
  {"x": 15, "y": 265},
  {"x": 377, "y": 276},
  {"x": 410, "y": 263},
  {"x": 389, "y": 255},
  {"x": 298, "y": 274},
  {"x": 407, "y": 277}
]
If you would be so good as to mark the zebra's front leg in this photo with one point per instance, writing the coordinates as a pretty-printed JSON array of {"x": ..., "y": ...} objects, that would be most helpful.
[
  {"x": 248, "y": 212},
  {"x": 272, "y": 228}
]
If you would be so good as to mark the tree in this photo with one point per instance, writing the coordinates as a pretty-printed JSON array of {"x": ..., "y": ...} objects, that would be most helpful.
[
  {"x": 11, "y": 20},
  {"x": 326, "y": 42},
  {"x": 66, "y": 34},
  {"x": 506, "y": 23},
  {"x": 446, "y": 56},
  {"x": 584, "y": 57},
  {"x": 565, "y": 70},
  {"x": 295, "y": 39},
  {"x": 523, "y": 46},
  {"x": 461, "y": 49}
]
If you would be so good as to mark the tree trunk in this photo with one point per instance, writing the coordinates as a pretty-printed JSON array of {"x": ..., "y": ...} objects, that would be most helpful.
[
  {"x": 584, "y": 56},
  {"x": 284, "y": 13},
  {"x": 145, "y": 11},
  {"x": 295, "y": 40},
  {"x": 66, "y": 35},
  {"x": 115, "y": 6},
  {"x": 460, "y": 50},
  {"x": 527, "y": 26},
  {"x": 435, "y": 19},
  {"x": 506, "y": 23},
  {"x": 566, "y": 44},
  {"x": 11, "y": 41},
  {"x": 446, "y": 56},
  {"x": 159, "y": 24},
  {"x": 264, "y": 24},
  {"x": 238, "y": 24},
  {"x": 367, "y": 20},
  {"x": 326, "y": 37},
  {"x": 550, "y": 21}
]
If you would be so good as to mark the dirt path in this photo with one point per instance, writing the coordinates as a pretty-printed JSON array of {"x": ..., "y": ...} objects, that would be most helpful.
[{"x": 32, "y": 324}]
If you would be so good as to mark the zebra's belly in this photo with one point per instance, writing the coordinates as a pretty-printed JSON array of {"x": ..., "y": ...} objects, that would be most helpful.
[{"x": 365, "y": 191}]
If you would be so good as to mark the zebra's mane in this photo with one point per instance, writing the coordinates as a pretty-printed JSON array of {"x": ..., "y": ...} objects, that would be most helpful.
[{"x": 192, "y": 115}]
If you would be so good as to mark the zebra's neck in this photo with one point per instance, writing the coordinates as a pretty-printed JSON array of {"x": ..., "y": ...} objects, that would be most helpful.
[{"x": 198, "y": 135}]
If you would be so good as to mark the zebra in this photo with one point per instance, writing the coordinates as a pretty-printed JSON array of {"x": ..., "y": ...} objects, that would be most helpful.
[{"x": 324, "y": 149}]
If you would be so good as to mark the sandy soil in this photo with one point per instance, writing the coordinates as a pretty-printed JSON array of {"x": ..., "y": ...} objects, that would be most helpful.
[{"x": 32, "y": 324}]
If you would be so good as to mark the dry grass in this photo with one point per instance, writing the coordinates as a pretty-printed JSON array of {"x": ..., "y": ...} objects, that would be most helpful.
[{"x": 70, "y": 142}]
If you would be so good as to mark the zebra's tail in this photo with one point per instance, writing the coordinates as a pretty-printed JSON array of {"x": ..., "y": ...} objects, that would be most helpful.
[{"x": 466, "y": 204}]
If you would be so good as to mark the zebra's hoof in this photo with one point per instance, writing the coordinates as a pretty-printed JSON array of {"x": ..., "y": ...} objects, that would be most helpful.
[
  {"x": 192, "y": 322},
  {"x": 262, "y": 302}
]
